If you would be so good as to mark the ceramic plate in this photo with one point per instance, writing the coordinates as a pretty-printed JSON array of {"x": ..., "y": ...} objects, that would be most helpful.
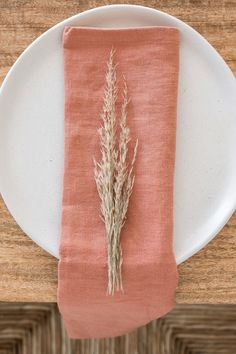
[{"x": 31, "y": 133}]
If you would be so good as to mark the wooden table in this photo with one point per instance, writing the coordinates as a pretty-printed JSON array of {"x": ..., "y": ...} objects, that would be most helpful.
[{"x": 27, "y": 273}]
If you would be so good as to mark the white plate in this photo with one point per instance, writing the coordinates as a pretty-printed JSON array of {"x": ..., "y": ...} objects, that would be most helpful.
[{"x": 31, "y": 133}]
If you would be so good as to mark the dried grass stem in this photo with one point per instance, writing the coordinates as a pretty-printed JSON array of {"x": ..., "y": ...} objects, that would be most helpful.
[{"x": 113, "y": 175}]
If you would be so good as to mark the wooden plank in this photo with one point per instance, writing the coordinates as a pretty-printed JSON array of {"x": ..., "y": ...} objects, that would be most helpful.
[{"x": 27, "y": 273}]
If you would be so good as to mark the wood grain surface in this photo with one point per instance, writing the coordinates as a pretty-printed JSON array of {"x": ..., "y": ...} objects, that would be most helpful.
[{"x": 27, "y": 273}]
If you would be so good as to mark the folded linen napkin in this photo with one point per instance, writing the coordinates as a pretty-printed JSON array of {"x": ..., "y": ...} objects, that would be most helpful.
[{"x": 149, "y": 59}]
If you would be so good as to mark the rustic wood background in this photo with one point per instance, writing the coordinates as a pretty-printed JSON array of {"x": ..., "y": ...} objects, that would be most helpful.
[{"x": 27, "y": 273}]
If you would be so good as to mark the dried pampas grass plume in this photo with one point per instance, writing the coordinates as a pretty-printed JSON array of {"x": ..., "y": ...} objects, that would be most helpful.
[{"x": 113, "y": 175}]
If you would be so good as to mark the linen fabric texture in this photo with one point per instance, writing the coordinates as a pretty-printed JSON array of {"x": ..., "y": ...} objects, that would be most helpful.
[{"x": 148, "y": 57}]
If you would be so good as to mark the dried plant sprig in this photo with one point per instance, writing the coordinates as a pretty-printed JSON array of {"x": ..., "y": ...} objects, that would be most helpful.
[{"x": 113, "y": 175}]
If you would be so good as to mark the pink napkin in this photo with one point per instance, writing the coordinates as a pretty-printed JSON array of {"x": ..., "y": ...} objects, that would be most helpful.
[{"x": 149, "y": 59}]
